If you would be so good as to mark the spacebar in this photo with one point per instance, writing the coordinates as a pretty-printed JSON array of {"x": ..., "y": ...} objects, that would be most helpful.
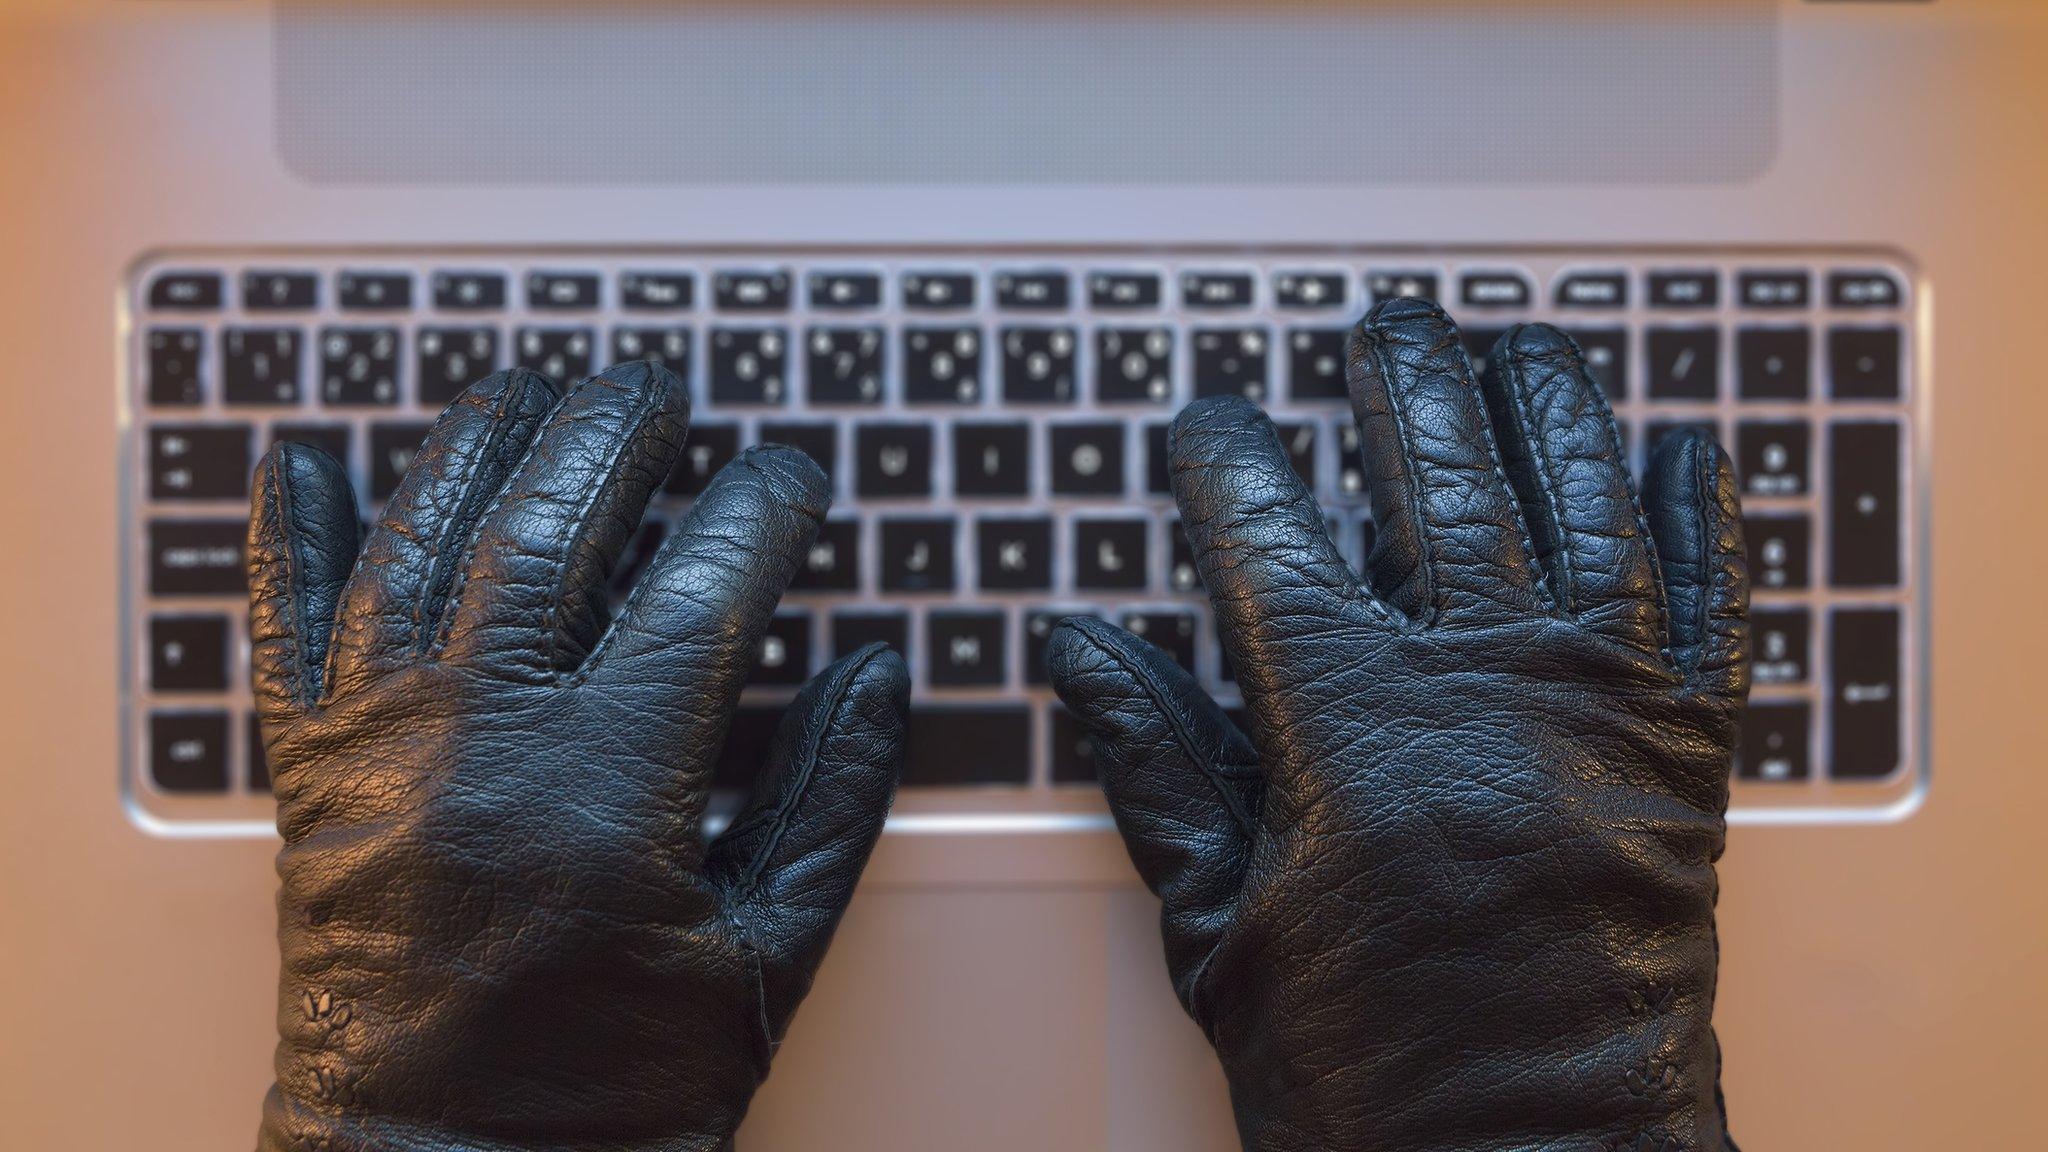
[{"x": 968, "y": 745}]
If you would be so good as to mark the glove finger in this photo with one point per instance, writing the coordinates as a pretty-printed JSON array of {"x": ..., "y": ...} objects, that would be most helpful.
[
  {"x": 1451, "y": 539},
  {"x": 1695, "y": 517},
  {"x": 691, "y": 625},
  {"x": 532, "y": 600},
  {"x": 411, "y": 558},
  {"x": 1259, "y": 541},
  {"x": 1182, "y": 781},
  {"x": 789, "y": 861},
  {"x": 302, "y": 545},
  {"x": 1564, "y": 458}
]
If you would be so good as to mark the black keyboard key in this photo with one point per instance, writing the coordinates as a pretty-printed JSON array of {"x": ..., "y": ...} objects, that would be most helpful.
[
  {"x": 1478, "y": 344},
  {"x": 784, "y": 653},
  {"x": 1181, "y": 574},
  {"x": 259, "y": 761},
  {"x": 1300, "y": 441},
  {"x": 1073, "y": 754},
  {"x": 188, "y": 653},
  {"x": 962, "y": 745},
  {"x": 1685, "y": 289},
  {"x": 1110, "y": 553},
  {"x": 562, "y": 291},
  {"x": 1864, "y": 364},
  {"x": 174, "y": 366},
  {"x": 846, "y": 365},
  {"x": 892, "y": 460},
  {"x": 467, "y": 291},
  {"x": 1654, "y": 432},
  {"x": 1123, "y": 291},
  {"x": 1014, "y": 555},
  {"x": 1087, "y": 459},
  {"x": 708, "y": 448},
  {"x": 1606, "y": 353},
  {"x": 938, "y": 291},
  {"x": 1780, "y": 550},
  {"x": 1864, "y": 494},
  {"x": 1315, "y": 364},
  {"x": 917, "y": 554},
  {"x": 942, "y": 365},
  {"x": 668, "y": 346},
  {"x": 1301, "y": 290},
  {"x": 1863, "y": 704},
  {"x": 1494, "y": 290},
  {"x": 853, "y": 631},
  {"x": 749, "y": 365},
  {"x": 199, "y": 462},
  {"x": 818, "y": 441},
  {"x": 333, "y": 439},
  {"x": 1134, "y": 365},
  {"x": 1033, "y": 290},
  {"x": 1173, "y": 633},
  {"x": 1774, "y": 288},
  {"x": 832, "y": 564},
  {"x": 1038, "y": 626},
  {"x": 451, "y": 359},
  {"x": 751, "y": 290},
  {"x": 260, "y": 365},
  {"x": 359, "y": 366},
  {"x": 197, "y": 557},
  {"x": 991, "y": 459},
  {"x": 845, "y": 291},
  {"x": 1776, "y": 741},
  {"x": 1038, "y": 365},
  {"x": 1864, "y": 289},
  {"x": 657, "y": 291},
  {"x": 1684, "y": 363},
  {"x": 1782, "y": 640},
  {"x": 1774, "y": 457},
  {"x": 965, "y": 649},
  {"x": 1592, "y": 290},
  {"x": 267, "y": 291},
  {"x": 748, "y": 737},
  {"x": 186, "y": 291},
  {"x": 1213, "y": 290},
  {"x": 1230, "y": 361},
  {"x": 373, "y": 291},
  {"x": 1774, "y": 363},
  {"x": 188, "y": 751},
  {"x": 1350, "y": 463},
  {"x": 392, "y": 447},
  {"x": 1388, "y": 285},
  {"x": 1158, "y": 461}
]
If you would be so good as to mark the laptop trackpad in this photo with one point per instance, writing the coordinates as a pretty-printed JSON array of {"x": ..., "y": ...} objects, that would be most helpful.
[{"x": 996, "y": 1019}]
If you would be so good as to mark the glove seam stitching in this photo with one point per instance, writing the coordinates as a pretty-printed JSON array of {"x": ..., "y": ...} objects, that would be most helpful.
[
  {"x": 1560, "y": 582},
  {"x": 444, "y": 628},
  {"x": 1206, "y": 763},
  {"x": 1426, "y": 571},
  {"x": 779, "y": 823},
  {"x": 304, "y": 686},
  {"x": 441, "y": 572},
  {"x": 551, "y": 627}
]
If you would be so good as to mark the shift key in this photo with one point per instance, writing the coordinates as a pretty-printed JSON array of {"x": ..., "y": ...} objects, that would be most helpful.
[{"x": 1864, "y": 708}]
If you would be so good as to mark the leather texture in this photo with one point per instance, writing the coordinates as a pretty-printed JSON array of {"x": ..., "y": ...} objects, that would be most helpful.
[
  {"x": 501, "y": 926},
  {"x": 1453, "y": 888}
]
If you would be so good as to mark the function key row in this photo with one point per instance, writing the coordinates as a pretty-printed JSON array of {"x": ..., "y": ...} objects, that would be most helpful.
[
  {"x": 941, "y": 364},
  {"x": 1020, "y": 289}
]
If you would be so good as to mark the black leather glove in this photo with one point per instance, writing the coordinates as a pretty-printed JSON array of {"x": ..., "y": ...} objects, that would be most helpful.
[
  {"x": 1457, "y": 889},
  {"x": 501, "y": 928}
]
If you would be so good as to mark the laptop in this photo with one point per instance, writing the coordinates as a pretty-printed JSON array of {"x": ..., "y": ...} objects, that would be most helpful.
[{"x": 972, "y": 258}]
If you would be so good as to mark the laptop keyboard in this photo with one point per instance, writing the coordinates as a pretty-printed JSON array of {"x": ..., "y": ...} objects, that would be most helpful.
[{"x": 994, "y": 425}]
